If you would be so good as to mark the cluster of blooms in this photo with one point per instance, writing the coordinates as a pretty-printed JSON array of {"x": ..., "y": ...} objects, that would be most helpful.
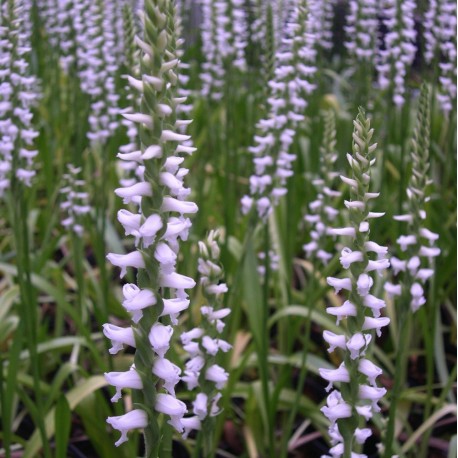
[
  {"x": 239, "y": 33},
  {"x": 361, "y": 30},
  {"x": 203, "y": 343},
  {"x": 413, "y": 244},
  {"x": 57, "y": 19},
  {"x": 398, "y": 53},
  {"x": 440, "y": 43},
  {"x": 76, "y": 203},
  {"x": 215, "y": 40},
  {"x": 157, "y": 226},
  {"x": 224, "y": 39},
  {"x": 362, "y": 310},
  {"x": 294, "y": 70},
  {"x": 18, "y": 94},
  {"x": 323, "y": 15},
  {"x": 263, "y": 18},
  {"x": 96, "y": 52},
  {"x": 322, "y": 209}
]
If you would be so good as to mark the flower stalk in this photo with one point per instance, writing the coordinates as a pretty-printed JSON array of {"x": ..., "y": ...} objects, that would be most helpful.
[
  {"x": 357, "y": 400},
  {"x": 158, "y": 224}
]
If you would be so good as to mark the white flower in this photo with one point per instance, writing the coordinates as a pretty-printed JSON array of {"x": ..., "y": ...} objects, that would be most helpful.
[
  {"x": 334, "y": 340},
  {"x": 169, "y": 405},
  {"x": 405, "y": 240},
  {"x": 177, "y": 281},
  {"x": 373, "y": 394},
  {"x": 374, "y": 303},
  {"x": 339, "y": 283},
  {"x": 136, "y": 299},
  {"x": 336, "y": 407},
  {"x": 168, "y": 372},
  {"x": 133, "y": 259},
  {"x": 195, "y": 333},
  {"x": 375, "y": 323},
  {"x": 159, "y": 338},
  {"x": 189, "y": 424},
  {"x": 170, "y": 204},
  {"x": 392, "y": 290},
  {"x": 200, "y": 405},
  {"x": 348, "y": 257},
  {"x": 364, "y": 284},
  {"x": 149, "y": 229},
  {"x": 361, "y": 435},
  {"x": 218, "y": 375},
  {"x": 346, "y": 309},
  {"x": 418, "y": 299},
  {"x": 130, "y": 193},
  {"x": 369, "y": 369},
  {"x": 134, "y": 419},
  {"x": 128, "y": 379},
  {"x": 357, "y": 344},
  {"x": 118, "y": 336},
  {"x": 335, "y": 375}
]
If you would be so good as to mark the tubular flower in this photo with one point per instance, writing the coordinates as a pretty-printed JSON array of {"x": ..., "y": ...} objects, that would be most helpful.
[
  {"x": 362, "y": 310},
  {"x": 204, "y": 343},
  {"x": 157, "y": 225}
]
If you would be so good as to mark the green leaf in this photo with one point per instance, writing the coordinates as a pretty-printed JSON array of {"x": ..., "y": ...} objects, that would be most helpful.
[
  {"x": 253, "y": 294},
  {"x": 62, "y": 420},
  {"x": 74, "y": 397}
]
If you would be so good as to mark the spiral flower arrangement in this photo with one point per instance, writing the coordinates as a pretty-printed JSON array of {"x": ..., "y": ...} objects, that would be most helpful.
[
  {"x": 159, "y": 222},
  {"x": 356, "y": 401}
]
